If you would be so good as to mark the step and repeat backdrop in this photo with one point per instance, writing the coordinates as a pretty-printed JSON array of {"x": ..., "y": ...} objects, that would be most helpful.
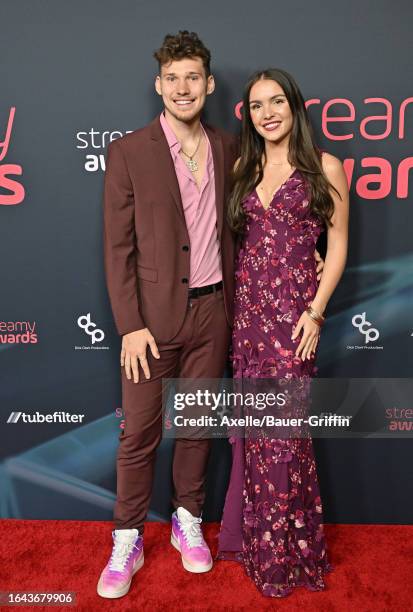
[{"x": 73, "y": 77}]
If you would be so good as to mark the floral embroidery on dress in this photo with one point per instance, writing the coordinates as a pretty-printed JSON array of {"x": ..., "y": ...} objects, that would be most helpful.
[{"x": 283, "y": 537}]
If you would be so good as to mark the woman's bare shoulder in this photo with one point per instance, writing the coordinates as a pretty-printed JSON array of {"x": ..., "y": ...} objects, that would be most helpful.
[
  {"x": 330, "y": 162},
  {"x": 334, "y": 171}
]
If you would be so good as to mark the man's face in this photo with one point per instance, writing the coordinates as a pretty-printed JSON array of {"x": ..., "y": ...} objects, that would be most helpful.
[{"x": 184, "y": 86}]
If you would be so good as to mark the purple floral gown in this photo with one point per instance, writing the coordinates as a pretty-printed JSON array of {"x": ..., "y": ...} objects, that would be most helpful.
[{"x": 272, "y": 520}]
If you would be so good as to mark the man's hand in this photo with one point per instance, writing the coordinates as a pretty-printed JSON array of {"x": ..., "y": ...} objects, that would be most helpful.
[
  {"x": 320, "y": 264},
  {"x": 134, "y": 347}
]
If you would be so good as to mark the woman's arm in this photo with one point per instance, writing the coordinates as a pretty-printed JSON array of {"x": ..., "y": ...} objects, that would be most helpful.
[
  {"x": 337, "y": 234},
  {"x": 335, "y": 261}
]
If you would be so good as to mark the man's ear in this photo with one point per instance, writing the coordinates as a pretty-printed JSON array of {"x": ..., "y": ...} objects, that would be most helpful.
[
  {"x": 210, "y": 84},
  {"x": 158, "y": 85}
]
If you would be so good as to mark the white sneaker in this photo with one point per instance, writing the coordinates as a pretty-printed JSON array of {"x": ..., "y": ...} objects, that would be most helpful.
[
  {"x": 187, "y": 537},
  {"x": 126, "y": 559}
]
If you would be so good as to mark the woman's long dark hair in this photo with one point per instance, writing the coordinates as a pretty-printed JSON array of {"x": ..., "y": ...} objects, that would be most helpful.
[{"x": 303, "y": 153}]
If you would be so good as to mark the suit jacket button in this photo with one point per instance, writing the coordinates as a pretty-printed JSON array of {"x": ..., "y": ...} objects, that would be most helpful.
[
  {"x": 185, "y": 247},
  {"x": 185, "y": 280}
]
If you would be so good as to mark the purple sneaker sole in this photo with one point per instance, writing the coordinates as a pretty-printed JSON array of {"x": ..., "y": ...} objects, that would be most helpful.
[
  {"x": 190, "y": 567},
  {"x": 120, "y": 592}
]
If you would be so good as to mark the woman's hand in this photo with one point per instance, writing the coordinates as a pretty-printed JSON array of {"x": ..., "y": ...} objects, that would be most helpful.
[
  {"x": 320, "y": 264},
  {"x": 310, "y": 337}
]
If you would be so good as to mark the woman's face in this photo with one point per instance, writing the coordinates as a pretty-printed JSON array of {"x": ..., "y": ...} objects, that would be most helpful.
[{"x": 270, "y": 111}]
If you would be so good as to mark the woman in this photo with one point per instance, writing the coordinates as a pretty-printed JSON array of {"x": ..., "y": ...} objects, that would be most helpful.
[{"x": 286, "y": 192}]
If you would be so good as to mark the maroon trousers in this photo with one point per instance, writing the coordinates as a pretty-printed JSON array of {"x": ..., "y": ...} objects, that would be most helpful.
[{"x": 199, "y": 350}]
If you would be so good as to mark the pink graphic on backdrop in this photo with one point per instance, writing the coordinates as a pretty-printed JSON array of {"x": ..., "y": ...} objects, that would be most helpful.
[
  {"x": 386, "y": 174},
  {"x": 16, "y": 189}
]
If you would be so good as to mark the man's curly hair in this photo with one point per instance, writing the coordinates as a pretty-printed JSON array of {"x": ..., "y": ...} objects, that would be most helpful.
[{"x": 183, "y": 45}]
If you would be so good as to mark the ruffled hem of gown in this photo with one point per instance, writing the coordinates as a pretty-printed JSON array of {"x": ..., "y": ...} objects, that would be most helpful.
[
  {"x": 284, "y": 571},
  {"x": 315, "y": 583}
]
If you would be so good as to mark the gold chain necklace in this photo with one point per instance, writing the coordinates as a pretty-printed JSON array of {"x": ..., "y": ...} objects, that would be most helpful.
[{"x": 192, "y": 163}]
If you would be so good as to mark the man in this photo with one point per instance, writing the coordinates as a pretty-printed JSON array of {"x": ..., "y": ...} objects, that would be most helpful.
[
  {"x": 169, "y": 259},
  {"x": 169, "y": 265}
]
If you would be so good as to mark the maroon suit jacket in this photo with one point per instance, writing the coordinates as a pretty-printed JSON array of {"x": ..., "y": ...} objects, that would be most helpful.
[{"x": 146, "y": 241}]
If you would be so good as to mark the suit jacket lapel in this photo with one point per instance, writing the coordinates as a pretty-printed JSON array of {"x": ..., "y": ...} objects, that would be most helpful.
[
  {"x": 163, "y": 159},
  {"x": 218, "y": 157}
]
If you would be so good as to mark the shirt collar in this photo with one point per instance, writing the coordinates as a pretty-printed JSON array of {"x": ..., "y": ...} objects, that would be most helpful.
[{"x": 172, "y": 140}]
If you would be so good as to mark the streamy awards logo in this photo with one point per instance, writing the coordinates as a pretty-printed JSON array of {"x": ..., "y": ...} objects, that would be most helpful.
[
  {"x": 93, "y": 145},
  {"x": 370, "y": 120},
  {"x": 12, "y": 191},
  {"x": 18, "y": 332}
]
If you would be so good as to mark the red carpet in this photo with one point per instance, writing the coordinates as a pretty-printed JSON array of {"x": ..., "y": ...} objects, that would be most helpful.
[{"x": 373, "y": 570}]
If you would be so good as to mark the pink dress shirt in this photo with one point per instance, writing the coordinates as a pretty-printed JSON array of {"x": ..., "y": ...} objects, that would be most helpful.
[{"x": 200, "y": 213}]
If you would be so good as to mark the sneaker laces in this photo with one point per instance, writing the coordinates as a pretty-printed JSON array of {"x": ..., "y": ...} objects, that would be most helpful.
[
  {"x": 120, "y": 555},
  {"x": 192, "y": 531}
]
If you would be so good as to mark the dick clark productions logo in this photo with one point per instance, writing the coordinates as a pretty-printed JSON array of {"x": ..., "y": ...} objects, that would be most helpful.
[
  {"x": 371, "y": 334},
  {"x": 85, "y": 323},
  {"x": 96, "y": 335}
]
